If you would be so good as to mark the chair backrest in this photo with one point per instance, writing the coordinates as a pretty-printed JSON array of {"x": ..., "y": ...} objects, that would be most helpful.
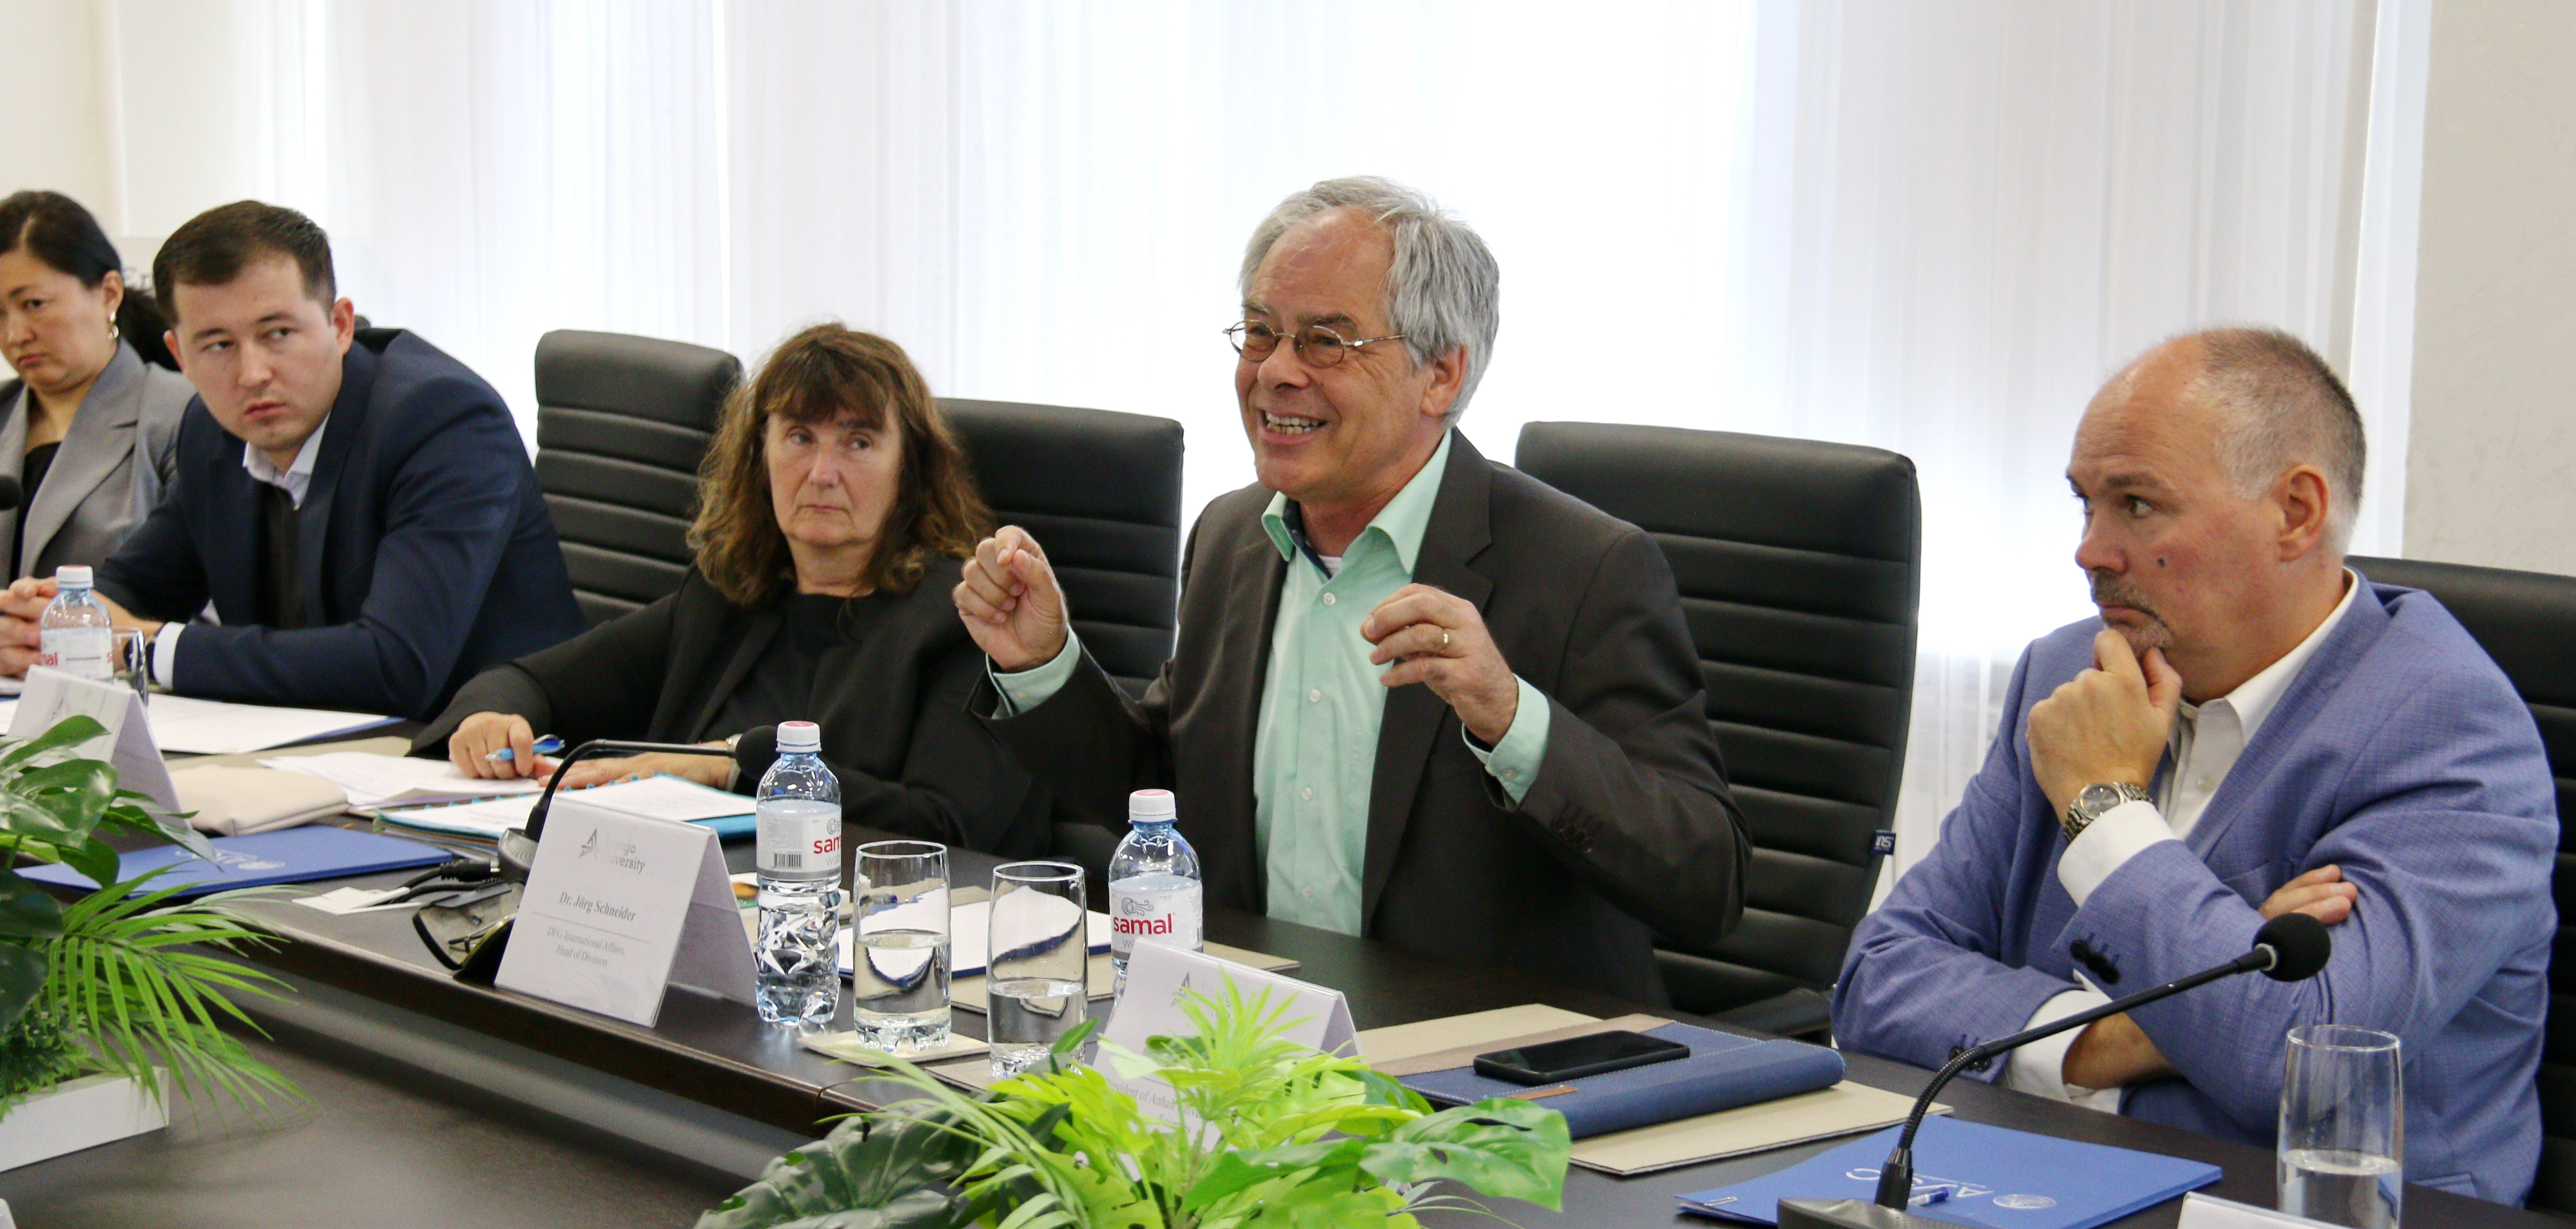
[
  {"x": 622, "y": 423},
  {"x": 1101, "y": 492},
  {"x": 1798, "y": 564},
  {"x": 2526, "y": 621}
]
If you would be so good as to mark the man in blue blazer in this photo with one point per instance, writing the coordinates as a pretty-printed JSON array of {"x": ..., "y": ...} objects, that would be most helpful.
[
  {"x": 356, "y": 505},
  {"x": 2250, "y": 729}
]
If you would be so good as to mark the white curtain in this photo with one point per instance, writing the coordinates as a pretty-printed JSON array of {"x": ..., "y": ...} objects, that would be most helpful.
[{"x": 1926, "y": 225}]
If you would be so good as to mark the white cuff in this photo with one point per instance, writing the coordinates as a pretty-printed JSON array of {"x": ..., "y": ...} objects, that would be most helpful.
[
  {"x": 2040, "y": 1067},
  {"x": 2108, "y": 843},
  {"x": 165, "y": 652}
]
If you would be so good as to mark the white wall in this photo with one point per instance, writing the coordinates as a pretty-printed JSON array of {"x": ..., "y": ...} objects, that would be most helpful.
[
  {"x": 2491, "y": 468},
  {"x": 54, "y": 63}
]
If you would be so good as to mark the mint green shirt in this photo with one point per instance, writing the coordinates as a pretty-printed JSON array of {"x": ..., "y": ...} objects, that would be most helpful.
[{"x": 1316, "y": 747}]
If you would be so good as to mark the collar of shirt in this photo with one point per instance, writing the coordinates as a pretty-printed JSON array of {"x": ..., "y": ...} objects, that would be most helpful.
[
  {"x": 2254, "y": 699},
  {"x": 1401, "y": 523},
  {"x": 298, "y": 475}
]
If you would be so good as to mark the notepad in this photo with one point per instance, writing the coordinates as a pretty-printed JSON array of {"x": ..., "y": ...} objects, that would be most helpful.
[
  {"x": 296, "y": 855},
  {"x": 656, "y": 797},
  {"x": 970, "y": 933},
  {"x": 372, "y": 780},
  {"x": 1970, "y": 1174},
  {"x": 190, "y": 726}
]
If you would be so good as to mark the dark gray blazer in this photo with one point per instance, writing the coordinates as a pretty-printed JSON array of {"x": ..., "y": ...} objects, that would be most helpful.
[
  {"x": 892, "y": 707},
  {"x": 116, "y": 458},
  {"x": 1629, "y": 827}
]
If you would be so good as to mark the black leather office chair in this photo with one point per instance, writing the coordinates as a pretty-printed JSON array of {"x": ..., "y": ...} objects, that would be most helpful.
[
  {"x": 2527, "y": 622},
  {"x": 1101, "y": 492},
  {"x": 622, "y": 423},
  {"x": 1798, "y": 564}
]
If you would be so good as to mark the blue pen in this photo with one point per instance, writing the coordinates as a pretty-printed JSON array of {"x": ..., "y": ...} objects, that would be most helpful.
[{"x": 547, "y": 745}]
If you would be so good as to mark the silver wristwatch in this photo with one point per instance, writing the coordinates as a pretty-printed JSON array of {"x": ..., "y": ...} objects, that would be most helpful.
[{"x": 2095, "y": 801}]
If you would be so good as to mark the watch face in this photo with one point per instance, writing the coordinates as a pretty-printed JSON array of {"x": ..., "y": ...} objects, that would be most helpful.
[{"x": 2098, "y": 798}]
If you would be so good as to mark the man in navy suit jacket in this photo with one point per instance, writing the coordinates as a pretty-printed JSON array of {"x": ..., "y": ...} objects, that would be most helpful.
[
  {"x": 2257, "y": 730},
  {"x": 357, "y": 506}
]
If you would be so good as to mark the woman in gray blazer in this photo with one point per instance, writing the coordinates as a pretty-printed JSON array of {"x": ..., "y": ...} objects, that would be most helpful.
[{"x": 88, "y": 428}]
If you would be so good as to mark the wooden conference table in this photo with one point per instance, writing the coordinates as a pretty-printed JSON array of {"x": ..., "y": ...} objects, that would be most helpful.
[{"x": 434, "y": 1102}]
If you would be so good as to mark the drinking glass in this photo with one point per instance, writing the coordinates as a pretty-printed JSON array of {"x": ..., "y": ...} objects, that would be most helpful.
[
  {"x": 899, "y": 956},
  {"x": 1036, "y": 977},
  {"x": 2343, "y": 1127}
]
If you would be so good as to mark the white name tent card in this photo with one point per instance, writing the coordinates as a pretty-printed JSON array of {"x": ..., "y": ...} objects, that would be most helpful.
[
  {"x": 52, "y": 695},
  {"x": 1150, "y": 1006},
  {"x": 618, "y": 908}
]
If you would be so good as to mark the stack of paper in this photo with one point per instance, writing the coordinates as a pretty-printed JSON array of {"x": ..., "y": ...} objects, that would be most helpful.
[
  {"x": 656, "y": 797},
  {"x": 398, "y": 781},
  {"x": 210, "y": 727}
]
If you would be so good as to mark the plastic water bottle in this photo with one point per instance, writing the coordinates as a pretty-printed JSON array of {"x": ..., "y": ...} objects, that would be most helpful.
[
  {"x": 75, "y": 635},
  {"x": 1154, "y": 889},
  {"x": 798, "y": 861}
]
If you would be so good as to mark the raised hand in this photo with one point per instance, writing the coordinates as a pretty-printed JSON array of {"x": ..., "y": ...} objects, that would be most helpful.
[
  {"x": 1010, "y": 602},
  {"x": 1437, "y": 638}
]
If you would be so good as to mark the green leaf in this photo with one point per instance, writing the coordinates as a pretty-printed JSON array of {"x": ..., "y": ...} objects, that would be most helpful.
[
  {"x": 1239, "y": 1171},
  {"x": 94, "y": 858},
  {"x": 68, "y": 732},
  {"x": 22, "y": 978},
  {"x": 900, "y": 1169},
  {"x": 1502, "y": 1147},
  {"x": 26, "y": 912}
]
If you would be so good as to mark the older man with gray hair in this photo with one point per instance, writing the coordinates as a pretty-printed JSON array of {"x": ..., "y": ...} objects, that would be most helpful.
[
  {"x": 2250, "y": 729},
  {"x": 1417, "y": 695}
]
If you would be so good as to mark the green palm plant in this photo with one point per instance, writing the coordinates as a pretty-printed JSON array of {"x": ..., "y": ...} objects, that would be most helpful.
[
  {"x": 1271, "y": 1134},
  {"x": 122, "y": 980}
]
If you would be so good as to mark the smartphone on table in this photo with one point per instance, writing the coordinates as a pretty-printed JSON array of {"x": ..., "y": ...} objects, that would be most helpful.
[{"x": 1554, "y": 1062}]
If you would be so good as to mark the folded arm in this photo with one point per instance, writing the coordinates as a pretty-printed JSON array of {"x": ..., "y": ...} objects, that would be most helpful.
[{"x": 2447, "y": 844}]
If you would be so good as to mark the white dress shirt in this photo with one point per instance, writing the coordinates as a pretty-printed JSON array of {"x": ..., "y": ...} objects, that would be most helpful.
[
  {"x": 2205, "y": 743},
  {"x": 294, "y": 480}
]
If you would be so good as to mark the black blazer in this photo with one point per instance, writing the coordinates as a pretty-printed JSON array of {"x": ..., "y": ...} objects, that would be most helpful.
[
  {"x": 1629, "y": 824},
  {"x": 426, "y": 549},
  {"x": 893, "y": 709}
]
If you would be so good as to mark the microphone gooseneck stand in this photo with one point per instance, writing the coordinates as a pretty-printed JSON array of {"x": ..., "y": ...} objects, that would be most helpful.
[{"x": 2291, "y": 947}]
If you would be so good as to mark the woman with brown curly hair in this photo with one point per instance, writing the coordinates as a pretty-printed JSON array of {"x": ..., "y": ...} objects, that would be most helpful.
[{"x": 834, "y": 508}]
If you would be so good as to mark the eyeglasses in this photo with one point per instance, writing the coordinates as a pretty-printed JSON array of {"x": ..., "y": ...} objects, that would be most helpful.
[{"x": 1317, "y": 345}]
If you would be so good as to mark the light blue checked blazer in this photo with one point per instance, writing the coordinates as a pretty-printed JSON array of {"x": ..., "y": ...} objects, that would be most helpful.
[{"x": 2399, "y": 753}]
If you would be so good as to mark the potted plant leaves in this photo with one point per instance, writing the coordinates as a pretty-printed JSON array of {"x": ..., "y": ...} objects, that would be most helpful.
[
  {"x": 1271, "y": 1133},
  {"x": 108, "y": 1000}
]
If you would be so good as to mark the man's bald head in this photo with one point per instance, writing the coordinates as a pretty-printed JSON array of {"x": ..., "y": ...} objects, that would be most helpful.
[
  {"x": 2218, "y": 473},
  {"x": 2272, "y": 404}
]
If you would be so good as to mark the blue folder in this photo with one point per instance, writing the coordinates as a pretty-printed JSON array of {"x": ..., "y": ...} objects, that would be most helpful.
[
  {"x": 1723, "y": 1071},
  {"x": 1969, "y": 1174},
  {"x": 293, "y": 855}
]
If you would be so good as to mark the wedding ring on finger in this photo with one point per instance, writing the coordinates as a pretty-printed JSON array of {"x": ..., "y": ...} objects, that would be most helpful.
[{"x": 1444, "y": 642}]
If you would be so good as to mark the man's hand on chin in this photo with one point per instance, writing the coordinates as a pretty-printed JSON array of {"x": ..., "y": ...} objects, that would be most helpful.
[{"x": 2106, "y": 725}]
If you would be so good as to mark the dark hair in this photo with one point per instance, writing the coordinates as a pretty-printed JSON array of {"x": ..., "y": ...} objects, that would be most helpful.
[
  {"x": 822, "y": 373},
  {"x": 211, "y": 248},
  {"x": 55, "y": 229}
]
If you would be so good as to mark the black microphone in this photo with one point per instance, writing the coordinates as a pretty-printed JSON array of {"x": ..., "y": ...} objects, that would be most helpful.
[
  {"x": 9, "y": 492},
  {"x": 2291, "y": 947}
]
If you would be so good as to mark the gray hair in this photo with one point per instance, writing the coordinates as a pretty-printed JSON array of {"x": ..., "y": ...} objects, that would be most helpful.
[
  {"x": 2284, "y": 407},
  {"x": 1443, "y": 291}
]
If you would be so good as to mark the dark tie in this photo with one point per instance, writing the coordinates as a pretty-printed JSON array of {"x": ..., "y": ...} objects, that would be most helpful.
[{"x": 281, "y": 588}]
